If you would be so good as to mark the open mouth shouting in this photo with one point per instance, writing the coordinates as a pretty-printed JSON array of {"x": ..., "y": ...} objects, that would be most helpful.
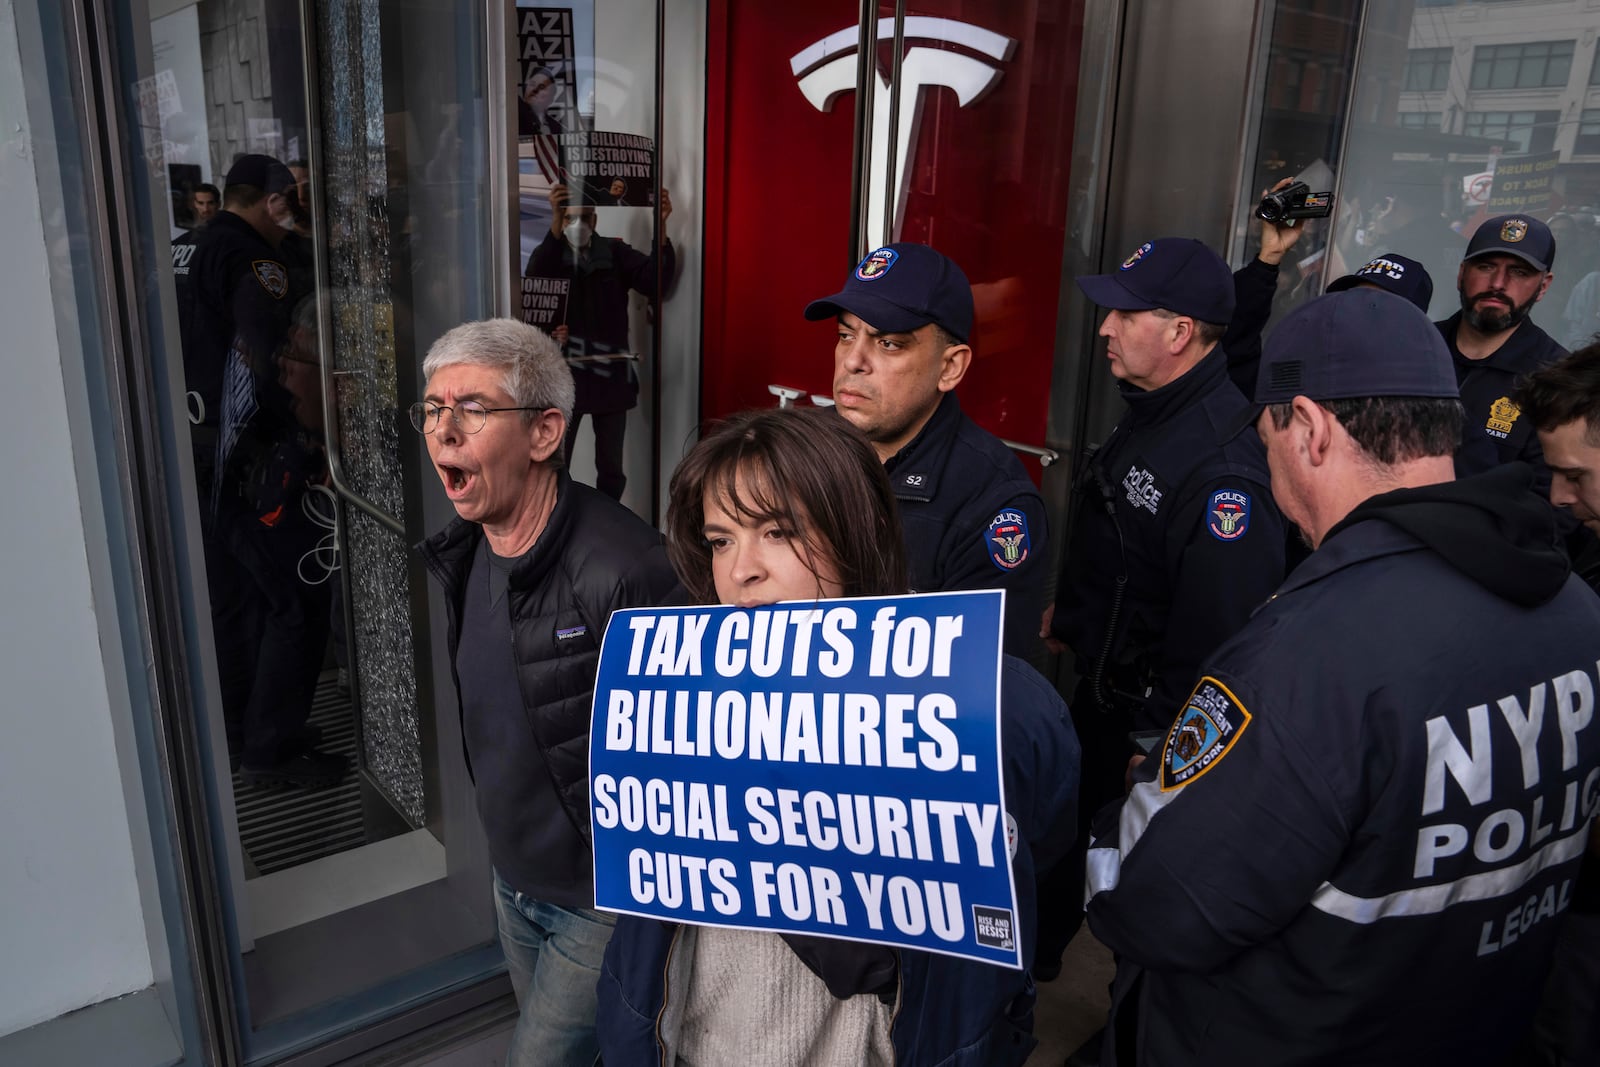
[{"x": 457, "y": 480}]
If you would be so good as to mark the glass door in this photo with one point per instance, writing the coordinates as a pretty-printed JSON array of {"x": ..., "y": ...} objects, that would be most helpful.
[{"x": 317, "y": 211}]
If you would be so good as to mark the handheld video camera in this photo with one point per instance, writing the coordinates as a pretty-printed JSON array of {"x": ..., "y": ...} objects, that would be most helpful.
[{"x": 1293, "y": 202}]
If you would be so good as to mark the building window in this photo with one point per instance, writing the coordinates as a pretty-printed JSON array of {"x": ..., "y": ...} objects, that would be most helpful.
[
  {"x": 1542, "y": 64},
  {"x": 1419, "y": 120},
  {"x": 1588, "y": 142},
  {"x": 1427, "y": 69},
  {"x": 1528, "y": 131}
]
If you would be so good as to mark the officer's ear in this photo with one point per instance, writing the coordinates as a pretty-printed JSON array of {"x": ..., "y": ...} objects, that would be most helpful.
[
  {"x": 1183, "y": 331},
  {"x": 954, "y": 361}
]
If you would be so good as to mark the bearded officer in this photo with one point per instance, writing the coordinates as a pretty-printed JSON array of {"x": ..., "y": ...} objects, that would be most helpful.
[
  {"x": 1493, "y": 343},
  {"x": 1358, "y": 838}
]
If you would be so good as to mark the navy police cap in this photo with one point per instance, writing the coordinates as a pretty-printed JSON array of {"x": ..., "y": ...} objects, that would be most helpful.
[
  {"x": 1353, "y": 344},
  {"x": 901, "y": 287},
  {"x": 1176, "y": 274},
  {"x": 1522, "y": 236},
  {"x": 1394, "y": 273},
  {"x": 263, "y": 172}
]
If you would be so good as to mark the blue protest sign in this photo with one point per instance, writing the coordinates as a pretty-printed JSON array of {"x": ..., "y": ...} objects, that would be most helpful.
[{"x": 824, "y": 767}]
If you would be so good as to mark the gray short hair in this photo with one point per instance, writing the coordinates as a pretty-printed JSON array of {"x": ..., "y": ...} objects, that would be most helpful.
[{"x": 532, "y": 370}]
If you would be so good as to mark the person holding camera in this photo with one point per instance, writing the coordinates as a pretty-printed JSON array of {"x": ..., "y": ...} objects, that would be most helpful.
[{"x": 1176, "y": 539}]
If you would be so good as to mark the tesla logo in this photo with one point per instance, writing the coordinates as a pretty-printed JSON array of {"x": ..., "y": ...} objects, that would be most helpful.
[{"x": 828, "y": 68}]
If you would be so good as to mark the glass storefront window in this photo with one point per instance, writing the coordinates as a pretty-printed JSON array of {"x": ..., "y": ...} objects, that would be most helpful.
[
  {"x": 318, "y": 172},
  {"x": 1458, "y": 112}
]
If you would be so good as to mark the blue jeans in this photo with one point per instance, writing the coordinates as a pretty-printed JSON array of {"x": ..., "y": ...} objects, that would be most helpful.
[{"x": 553, "y": 954}]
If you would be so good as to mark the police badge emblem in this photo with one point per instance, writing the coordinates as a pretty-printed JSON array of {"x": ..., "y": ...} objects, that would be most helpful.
[
  {"x": 273, "y": 278},
  {"x": 1008, "y": 533},
  {"x": 1228, "y": 514},
  {"x": 1138, "y": 254},
  {"x": 876, "y": 264},
  {"x": 1503, "y": 415},
  {"x": 1209, "y": 725},
  {"x": 1513, "y": 230}
]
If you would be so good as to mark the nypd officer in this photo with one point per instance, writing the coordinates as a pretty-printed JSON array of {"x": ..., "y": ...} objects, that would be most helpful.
[
  {"x": 1176, "y": 539},
  {"x": 1358, "y": 838},
  {"x": 255, "y": 455},
  {"x": 1493, "y": 343},
  {"x": 972, "y": 517}
]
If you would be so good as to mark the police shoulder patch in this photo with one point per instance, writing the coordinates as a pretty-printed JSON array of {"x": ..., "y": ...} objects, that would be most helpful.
[
  {"x": 1212, "y": 720},
  {"x": 273, "y": 278},
  {"x": 1228, "y": 514},
  {"x": 1006, "y": 539}
]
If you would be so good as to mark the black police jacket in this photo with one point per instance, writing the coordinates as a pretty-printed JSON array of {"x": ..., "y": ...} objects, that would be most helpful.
[
  {"x": 1255, "y": 285},
  {"x": 1357, "y": 842},
  {"x": 1177, "y": 500},
  {"x": 1496, "y": 432},
  {"x": 973, "y": 519},
  {"x": 234, "y": 295},
  {"x": 593, "y": 557}
]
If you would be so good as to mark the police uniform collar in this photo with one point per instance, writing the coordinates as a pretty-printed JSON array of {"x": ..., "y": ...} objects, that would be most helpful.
[
  {"x": 1154, "y": 405},
  {"x": 227, "y": 220},
  {"x": 1522, "y": 352},
  {"x": 914, "y": 470}
]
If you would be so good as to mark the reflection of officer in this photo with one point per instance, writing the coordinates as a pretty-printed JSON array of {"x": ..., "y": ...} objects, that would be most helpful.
[
  {"x": 253, "y": 460},
  {"x": 1176, "y": 539},
  {"x": 1359, "y": 836},
  {"x": 1493, "y": 342},
  {"x": 602, "y": 271},
  {"x": 972, "y": 517}
]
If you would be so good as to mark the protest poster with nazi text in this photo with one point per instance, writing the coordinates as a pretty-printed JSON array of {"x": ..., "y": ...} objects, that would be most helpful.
[{"x": 827, "y": 767}]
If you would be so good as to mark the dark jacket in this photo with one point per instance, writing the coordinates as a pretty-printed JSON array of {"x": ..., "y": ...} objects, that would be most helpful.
[
  {"x": 597, "y": 312},
  {"x": 234, "y": 296},
  {"x": 594, "y": 557},
  {"x": 965, "y": 501},
  {"x": 947, "y": 1011},
  {"x": 1358, "y": 839},
  {"x": 1496, "y": 432},
  {"x": 1255, "y": 286},
  {"x": 1177, "y": 499}
]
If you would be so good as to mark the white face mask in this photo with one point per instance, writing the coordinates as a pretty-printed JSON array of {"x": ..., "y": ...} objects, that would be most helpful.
[{"x": 577, "y": 233}]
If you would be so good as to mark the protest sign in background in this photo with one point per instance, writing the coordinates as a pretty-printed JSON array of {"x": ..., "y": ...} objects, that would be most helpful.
[
  {"x": 827, "y": 767},
  {"x": 544, "y": 301},
  {"x": 1522, "y": 183}
]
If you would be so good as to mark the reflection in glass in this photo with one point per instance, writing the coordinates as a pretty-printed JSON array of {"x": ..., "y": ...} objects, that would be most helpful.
[
  {"x": 594, "y": 256},
  {"x": 1456, "y": 117},
  {"x": 349, "y": 224}
]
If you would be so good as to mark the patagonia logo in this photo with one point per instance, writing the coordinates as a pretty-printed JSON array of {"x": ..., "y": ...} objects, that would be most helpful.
[{"x": 567, "y": 633}]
